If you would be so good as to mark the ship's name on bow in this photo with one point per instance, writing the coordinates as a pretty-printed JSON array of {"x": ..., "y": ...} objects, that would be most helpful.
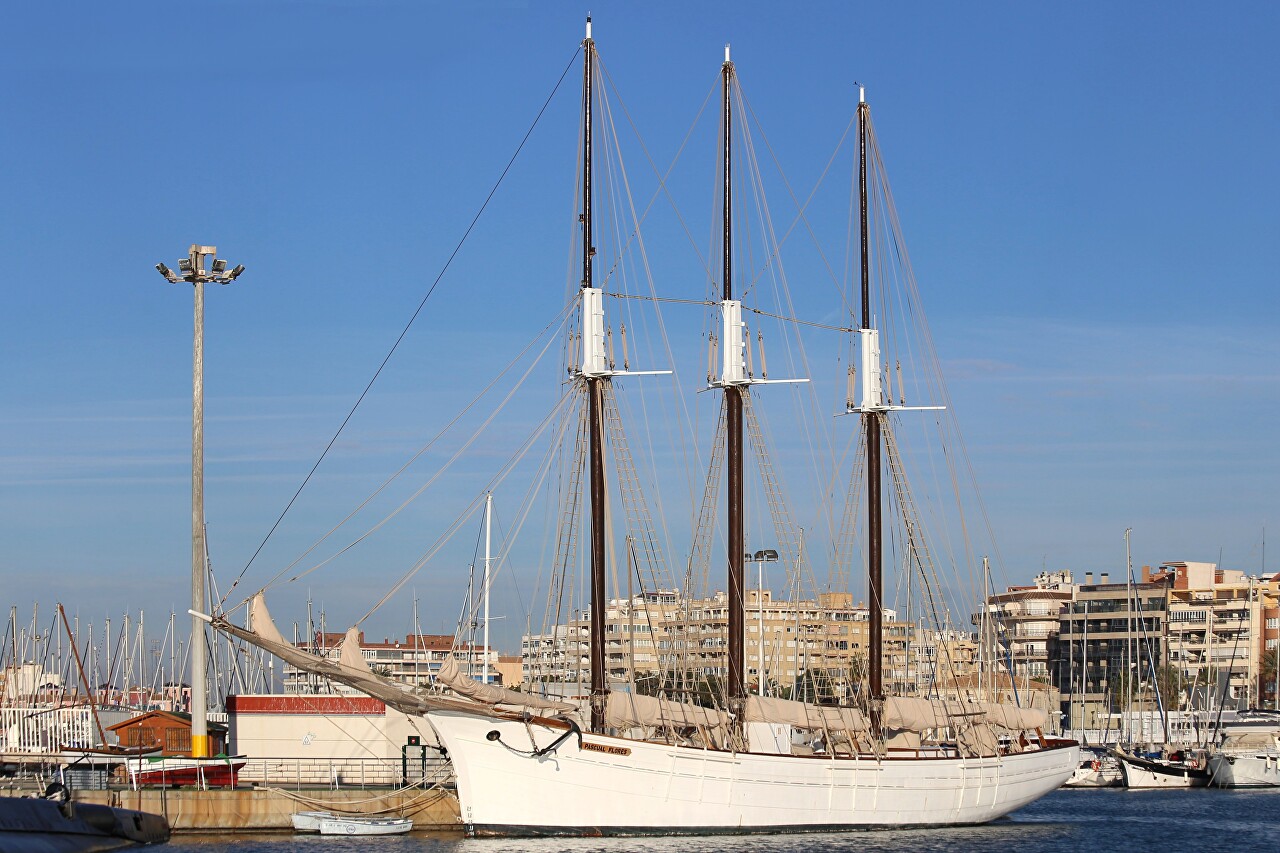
[{"x": 588, "y": 746}]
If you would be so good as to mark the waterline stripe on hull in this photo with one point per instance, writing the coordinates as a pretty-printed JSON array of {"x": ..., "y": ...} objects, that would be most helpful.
[{"x": 501, "y": 831}]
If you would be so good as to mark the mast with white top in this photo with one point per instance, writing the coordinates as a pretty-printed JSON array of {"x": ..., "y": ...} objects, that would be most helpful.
[
  {"x": 735, "y": 378},
  {"x": 874, "y": 405},
  {"x": 594, "y": 372}
]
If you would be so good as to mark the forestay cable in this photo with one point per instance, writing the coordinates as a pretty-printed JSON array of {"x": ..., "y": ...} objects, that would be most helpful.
[{"x": 439, "y": 276}]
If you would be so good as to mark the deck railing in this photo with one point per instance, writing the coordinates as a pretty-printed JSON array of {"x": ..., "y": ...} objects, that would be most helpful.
[{"x": 427, "y": 769}]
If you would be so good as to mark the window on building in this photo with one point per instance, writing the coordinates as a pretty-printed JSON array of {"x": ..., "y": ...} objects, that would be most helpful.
[
  {"x": 177, "y": 740},
  {"x": 142, "y": 736}
]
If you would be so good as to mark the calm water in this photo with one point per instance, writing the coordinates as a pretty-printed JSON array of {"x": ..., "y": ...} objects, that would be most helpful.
[{"x": 1203, "y": 821}]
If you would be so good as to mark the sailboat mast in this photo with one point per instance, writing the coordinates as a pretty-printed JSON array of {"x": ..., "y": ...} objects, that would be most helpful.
[
  {"x": 595, "y": 425},
  {"x": 84, "y": 680},
  {"x": 871, "y": 426},
  {"x": 733, "y": 424},
  {"x": 488, "y": 546},
  {"x": 1084, "y": 665}
]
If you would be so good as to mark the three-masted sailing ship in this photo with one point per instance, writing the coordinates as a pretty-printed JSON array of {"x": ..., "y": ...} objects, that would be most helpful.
[{"x": 634, "y": 764}]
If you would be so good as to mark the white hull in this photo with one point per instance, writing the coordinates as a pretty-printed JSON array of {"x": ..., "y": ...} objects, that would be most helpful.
[
  {"x": 328, "y": 823},
  {"x": 365, "y": 826},
  {"x": 309, "y": 821},
  {"x": 1257, "y": 770},
  {"x": 1100, "y": 773},
  {"x": 618, "y": 786},
  {"x": 1147, "y": 774}
]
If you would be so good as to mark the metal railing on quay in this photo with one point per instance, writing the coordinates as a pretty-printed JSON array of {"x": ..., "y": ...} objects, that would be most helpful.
[
  {"x": 427, "y": 769},
  {"x": 338, "y": 773}
]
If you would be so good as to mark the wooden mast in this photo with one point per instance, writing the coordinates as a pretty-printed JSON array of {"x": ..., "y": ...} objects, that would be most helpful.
[
  {"x": 871, "y": 426},
  {"x": 733, "y": 423},
  {"x": 84, "y": 680},
  {"x": 595, "y": 425}
]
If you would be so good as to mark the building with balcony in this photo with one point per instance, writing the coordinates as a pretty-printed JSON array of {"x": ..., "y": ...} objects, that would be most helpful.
[
  {"x": 939, "y": 657},
  {"x": 1111, "y": 638},
  {"x": 415, "y": 660},
  {"x": 1221, "y": 625},
  {"x": 823, "y": 641},
  {"x": 1020, "y": 624}
]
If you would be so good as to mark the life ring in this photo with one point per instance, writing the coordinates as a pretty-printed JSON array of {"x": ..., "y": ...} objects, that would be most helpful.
[{"x": 1097, "y": 765}]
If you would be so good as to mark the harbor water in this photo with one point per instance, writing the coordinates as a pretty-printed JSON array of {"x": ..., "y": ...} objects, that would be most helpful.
[{"x": 1195, "y": 821}]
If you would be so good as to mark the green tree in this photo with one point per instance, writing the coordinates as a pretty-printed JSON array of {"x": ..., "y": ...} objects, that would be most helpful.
[
  {"x": 1267, "y": 677},
  {"x": 1165, "y": 680},
  {"x": 687, "y": 686}
]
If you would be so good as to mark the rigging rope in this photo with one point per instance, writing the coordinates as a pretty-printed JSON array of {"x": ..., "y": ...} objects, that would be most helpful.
[
  {"x": 556, "y": 321},
  {"x": 457, "y": 454},
  {"x": 440, "y": 542},
  {"x": 708, "y": 303},
  {"x": 432, "y": 789},
  {"x": 448, "y": 263},
  {"x": 662, "y": 178}
]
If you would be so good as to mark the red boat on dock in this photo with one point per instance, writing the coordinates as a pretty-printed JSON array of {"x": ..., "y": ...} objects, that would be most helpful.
[{"x": 170, "y": 771}]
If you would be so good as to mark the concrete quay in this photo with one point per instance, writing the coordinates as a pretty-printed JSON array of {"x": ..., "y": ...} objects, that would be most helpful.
[{"x": 268, "y": 809}]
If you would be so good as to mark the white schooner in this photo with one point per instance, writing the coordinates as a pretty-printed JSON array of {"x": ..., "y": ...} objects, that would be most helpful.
[{"x": 623, "y": 763}]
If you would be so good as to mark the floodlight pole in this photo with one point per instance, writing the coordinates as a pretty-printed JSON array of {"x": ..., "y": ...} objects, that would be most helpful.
[
  {"x": 193, "y": 271},
  {"x": 199, "y": 678}
]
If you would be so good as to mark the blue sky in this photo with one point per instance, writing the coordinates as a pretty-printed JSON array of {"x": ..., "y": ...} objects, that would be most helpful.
[{"x": 1088, "y": 192}]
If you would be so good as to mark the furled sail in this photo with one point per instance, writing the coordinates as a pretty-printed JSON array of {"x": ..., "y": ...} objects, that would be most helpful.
[
  {"x": 261, "y": 623},
  {"x": 978, "y": 739},
  {"x": 629, "y": 710},
  {"x": 265, "y": 635},
  {"x": 349, "y": 654},
  {"x": 451, "y": 676},
  {"x": 766, "y": 709},
  {"x": 350, "y": 669},
  {"x": 918, "y": 715},
  {"x": 1013, "y": 718}
]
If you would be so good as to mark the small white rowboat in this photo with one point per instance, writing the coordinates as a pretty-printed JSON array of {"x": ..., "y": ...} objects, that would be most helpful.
[{"x": 365, "y": 826}]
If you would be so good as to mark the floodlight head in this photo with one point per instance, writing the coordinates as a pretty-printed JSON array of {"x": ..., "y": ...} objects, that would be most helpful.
[
  {"x": 185, "y": 265},
  {"x": 771, "y": 554},
  {"x": 166, "y": 272},
  {"x": 219, "y": 266},
  {"x": 235, "y": 271}
]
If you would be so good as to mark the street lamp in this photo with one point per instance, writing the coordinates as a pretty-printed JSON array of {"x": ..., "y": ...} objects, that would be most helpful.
[
  {"x": 760, "y": 558},
  {"x": 193, "y": 269}
]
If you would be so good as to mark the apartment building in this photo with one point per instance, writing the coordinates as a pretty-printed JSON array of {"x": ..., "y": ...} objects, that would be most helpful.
[
  {"x": 1221, "y": 625},
  {"x": 1021, "y": 623},
  {"x": 822, "y": 640},
  {"x": 943, "y": 657},
  {"x": 414, "y": 660},
  {"x": 1111, "y": 636}
]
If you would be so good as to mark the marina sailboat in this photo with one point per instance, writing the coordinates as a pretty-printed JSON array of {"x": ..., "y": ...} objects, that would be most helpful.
[
  {"x": 1098, "y": 769},
  {"x": 625, "y": 763},
  {"x": 1238, "y": 766},
  {"x": 1247, "y": 754},
  {"x": 1180, "y": 769}
]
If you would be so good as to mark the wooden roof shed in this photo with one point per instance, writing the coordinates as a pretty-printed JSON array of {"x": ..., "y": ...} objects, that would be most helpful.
[{"x": 169, "y": 730}]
